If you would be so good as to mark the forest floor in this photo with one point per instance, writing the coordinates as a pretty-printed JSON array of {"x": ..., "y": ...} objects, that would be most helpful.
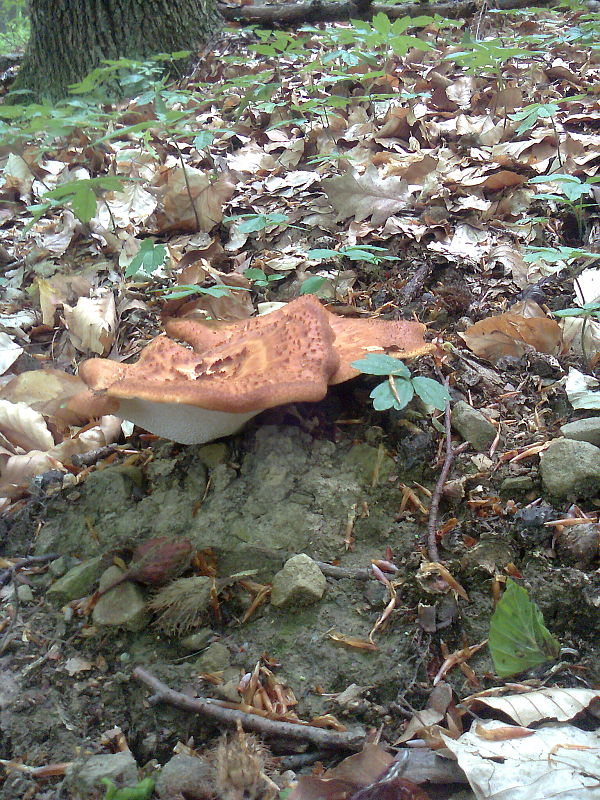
[{"x": 425, "y": 169}]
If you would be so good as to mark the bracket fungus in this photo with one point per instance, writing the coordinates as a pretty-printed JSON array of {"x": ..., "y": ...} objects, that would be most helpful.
[{"x": 234, "y": 372}]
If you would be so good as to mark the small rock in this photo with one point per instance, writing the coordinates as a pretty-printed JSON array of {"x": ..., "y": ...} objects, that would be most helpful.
[
  {"x": 24, "y": 593},
  {"x": 186, "y": 776},
  {"x": 299, "y": 583},
  {"x": 516, "y": 483},
  {"x": 123, "y": 606},
  {"x": 579, "y": 544},
  {"x": 196, "y": 641},
  {"x": 571, "y": 469},
  {"x": 583, "y": 430},
  {"x": 213, "y": 454},
  {"x": 78, "y": 582},
  {"x": 473, "y": 425},
  {"x": 214, "y": 659},
  {"x": 82, "y": 778}
]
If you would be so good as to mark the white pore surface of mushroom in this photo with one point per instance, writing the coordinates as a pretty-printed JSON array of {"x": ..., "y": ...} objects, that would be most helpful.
[
  {"x": 234, "y": 372},
  {"x": 181, "y": 422}
]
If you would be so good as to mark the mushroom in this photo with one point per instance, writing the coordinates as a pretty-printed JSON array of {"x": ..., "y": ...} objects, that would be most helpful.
[{"x": 236, "y": 371}]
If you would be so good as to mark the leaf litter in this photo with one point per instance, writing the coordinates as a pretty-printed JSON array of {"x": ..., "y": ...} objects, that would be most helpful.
[{"x": 474, "y": 155}]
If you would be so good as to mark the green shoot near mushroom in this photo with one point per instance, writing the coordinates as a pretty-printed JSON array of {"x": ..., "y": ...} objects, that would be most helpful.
[{"x": 400, "y": 386}]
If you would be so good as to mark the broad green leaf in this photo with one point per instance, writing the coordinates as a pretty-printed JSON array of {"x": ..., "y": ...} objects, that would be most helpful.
[
  {"x": 322, "y": 253},
  {"x": 379, "y": 364},
  {"x": 383, "y": 397},
  {"x": 518, "y": 638},
  {"x": 255, "y": 274},
  {"x": 84, "y": 204},
  {"x": 312, "y": 285},
  {"x": 149, "y": 258},
  {"x": 431, "y": 392}
]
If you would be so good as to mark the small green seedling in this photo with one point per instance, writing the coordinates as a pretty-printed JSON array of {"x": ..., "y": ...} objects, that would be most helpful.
[
  {"x": 260, "y": 278},
  {"x": 220, "y": 290},
  {"x": 364, "y": 252},
  {"x": 586, "y": 311},
  {"x": 149, "y": 258},
  {"x": 400, "y": 387},
  {"x": 80, "y": 195},
  {"x": 141, "y": 791},
  {"x": 573, "y": 197},
  {"x": 257, "y": 222},
  {"x": 519, "y": 639}
]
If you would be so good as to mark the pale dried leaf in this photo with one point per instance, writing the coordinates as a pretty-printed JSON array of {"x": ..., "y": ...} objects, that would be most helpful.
[
  {"x": 24, "y": 427},
  {"x": 9, "y": 352},
  {"x": 92, "y": 323},
  {"x": 367, "y": 195},
  {"x": 543, "y": 704}
]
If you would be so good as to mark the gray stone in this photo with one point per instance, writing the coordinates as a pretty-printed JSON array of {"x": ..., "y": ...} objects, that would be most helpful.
[
  {"x": 186, "y": 776},
  {"x": 571, "y": 469},
  {"x": 583, "y": 430},
  {"x": 213, "y": 454},
  {"x": 516, "y": 483},
  {"x": 124, "y": 606},
  {"x": 82, "y": 778},
  {"x": 196, "y": 641},
  {"x": 299, "y": 583},
  {"x": 473, "y": 426},
  {"x": 78, "y": 582},
  {"x": 214, "y": 659},
  {"x": 24, "y": 593}
]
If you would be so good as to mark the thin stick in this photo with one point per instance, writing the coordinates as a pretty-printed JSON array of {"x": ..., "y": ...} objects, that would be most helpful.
[
  {"x": 451, "y": 452},
  {"x": 229, "y": 716}
]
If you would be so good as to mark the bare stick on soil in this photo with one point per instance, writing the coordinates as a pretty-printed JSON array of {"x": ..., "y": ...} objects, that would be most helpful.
[
  {"x": 250, "y": 722},
  {"x": 451, "y": 453}
]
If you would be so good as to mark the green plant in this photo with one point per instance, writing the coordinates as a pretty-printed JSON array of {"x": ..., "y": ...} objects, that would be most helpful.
[
  {"x": 519, "y": 639},
  {"x": 257, "y": 222},
  {"x": 149, "y": 258},
  {"x": 489, "y": 54},
  {"x": 354, "y": 252},
  {"x": 400, "y": 387},
  {"x": 260, "y": 278},
  {"x": 16, "y": 26},
  {"x": 574, "y": 192},
  {"x": 559, "y": 256},
  {"x": 80, "y": 195},
  {"x": 187, "y": 290},
  {"x": 141, "y": 791}
]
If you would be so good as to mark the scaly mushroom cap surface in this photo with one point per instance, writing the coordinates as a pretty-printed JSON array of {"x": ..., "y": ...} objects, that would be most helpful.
[
  {"x": 236, "y": 371},
  {"x": 287, "y": 356},
  {"x": 354, "y": 338}
]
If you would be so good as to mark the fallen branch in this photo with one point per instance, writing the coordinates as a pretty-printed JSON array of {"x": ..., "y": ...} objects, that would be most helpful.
[
  {"x": 316, "y": 11},
  {"x": 250, "y": 722}
]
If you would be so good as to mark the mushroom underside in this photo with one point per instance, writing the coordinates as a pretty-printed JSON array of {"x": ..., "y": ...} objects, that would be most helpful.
[{"x": 181, "y": 422}]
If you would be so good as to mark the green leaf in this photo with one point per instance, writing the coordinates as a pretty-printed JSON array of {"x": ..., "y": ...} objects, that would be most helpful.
[
  {"x": 379, "y": 364},
  {"x": 322, "y": 254},
  {"x": 383, "y": 397},
  {"x": 312, "y": 285},
  {"x": 431, "y": 392},
  {"x": 255, "y": 274},
  {"x": 149, "y": 258},
  {"x": 84, "y": 204},
  {"x": 518, "y": 638}
]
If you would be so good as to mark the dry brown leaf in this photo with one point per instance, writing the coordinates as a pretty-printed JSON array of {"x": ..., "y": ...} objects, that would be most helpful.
[
  {"x": 367, "y": 195},
  {"x": 513, "y": 335}
]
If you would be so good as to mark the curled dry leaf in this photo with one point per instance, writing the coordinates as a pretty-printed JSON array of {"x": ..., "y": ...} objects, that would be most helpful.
[
  {"x": 513, "y": 334},
  {"x": 24, "y": 427},
  {"x": 92, "y": 323}
]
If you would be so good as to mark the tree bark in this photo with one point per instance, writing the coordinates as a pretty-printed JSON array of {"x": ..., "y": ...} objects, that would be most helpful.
[{"x": 69, "y": 38}]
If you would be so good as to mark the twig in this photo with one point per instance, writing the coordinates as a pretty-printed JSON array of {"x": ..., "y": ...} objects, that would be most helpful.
[
  {"x": 229, "y": 716},
  {"x": 451, "y": 453},
  {"x": 26, "y": 561}
]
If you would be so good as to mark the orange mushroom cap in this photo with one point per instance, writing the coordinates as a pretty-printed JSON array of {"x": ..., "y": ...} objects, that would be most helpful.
[{"x": 243, "y": 368}]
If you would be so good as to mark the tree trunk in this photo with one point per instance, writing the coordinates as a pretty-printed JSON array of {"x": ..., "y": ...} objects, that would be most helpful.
[{"x": 69, "y": 38}]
